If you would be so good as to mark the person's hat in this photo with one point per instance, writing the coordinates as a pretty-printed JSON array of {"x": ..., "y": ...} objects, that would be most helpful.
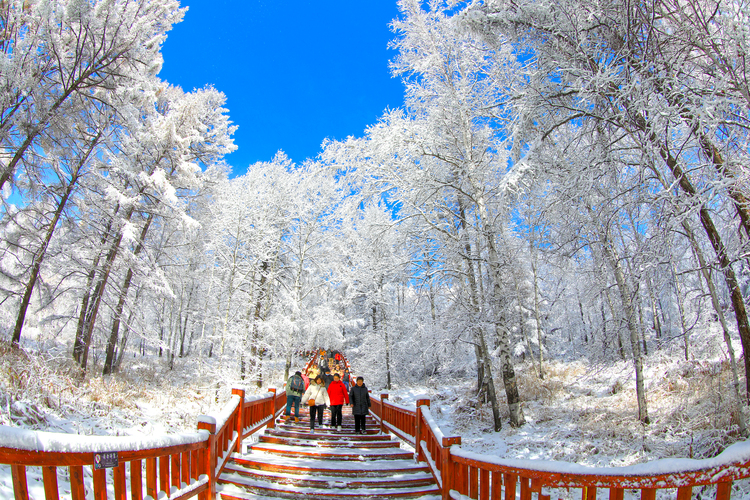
[{"x": 298, "y": 373}]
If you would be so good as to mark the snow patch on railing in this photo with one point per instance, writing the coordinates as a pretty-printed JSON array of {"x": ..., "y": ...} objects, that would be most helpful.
[
  {"x": 400, "y": 407},
  {"x": 57, "y": 442},
  {"x": 403, "y": 435},
  {"x": 250, "y": 399},
  {"x": 431, "y": 463},
  {"x": 735, "y": 454},
  {"x": 194, "y": 485},
  {"x": 427, "y": 414},
  {"x": 253, "y": 425},
  {"x": 226, "y": 413},
  {"x": 227, "y": 453}
]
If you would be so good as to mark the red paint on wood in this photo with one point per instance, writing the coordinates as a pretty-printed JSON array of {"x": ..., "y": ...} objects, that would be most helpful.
[{"x": 51, "y": 490}]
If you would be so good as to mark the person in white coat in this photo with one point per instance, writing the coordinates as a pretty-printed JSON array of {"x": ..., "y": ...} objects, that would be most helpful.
[{"x": 316, "y": 397}]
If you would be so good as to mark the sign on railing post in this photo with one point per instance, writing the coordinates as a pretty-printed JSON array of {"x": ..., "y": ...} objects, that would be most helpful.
[
  {"x": 209, "y": 463},
  {"x": 446, "y": 465},
  {"x": 272, "y": 422},
  {"x": 240, "y": 417},
  {"x": 383, "y": 415},
  {"x": 420, "y": 457}
]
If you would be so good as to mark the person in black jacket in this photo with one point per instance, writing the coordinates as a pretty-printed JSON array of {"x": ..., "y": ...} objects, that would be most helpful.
[{"x": 360, "y": 402}]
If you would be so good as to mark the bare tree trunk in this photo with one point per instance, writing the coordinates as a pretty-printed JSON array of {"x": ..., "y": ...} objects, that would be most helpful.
[
  {"x": 681, "y": 311},
  {"x": 36, "y": 267},
  {"x": 626, "y": 297},
  {"x": 41, "y": 253},
  {"x": 384, "y": 327},
  {"x": 115, "y": 331},
  {"x": 517, "y": 418},
  {"x": 654, "y": 310},
  {"x": 706, "y": 272},
  {"x": 93, "y": 310},
  {"x": 738, "y": 301},
  {"x": 537, "y": 318},
  {"x": 255, "y": 352}
]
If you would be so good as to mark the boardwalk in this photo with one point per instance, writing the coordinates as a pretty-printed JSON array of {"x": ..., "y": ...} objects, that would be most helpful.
[{"x": 291, "y": 462}]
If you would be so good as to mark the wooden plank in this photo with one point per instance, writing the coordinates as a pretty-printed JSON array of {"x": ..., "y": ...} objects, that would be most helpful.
[
  {"x": 164, "y": 474},
  {"x": 497, "y": 486},
  {"x": 20, "y": 486},
  {"x": 484, "y": 484},
  {"x": 473, "y": 482},
  {"x": 525, "y": 488},
  {"x": 649, "y": 494},
  {"x": 77, "y": 491},
  {"x": 120, "y": 482},
  {"x": 185, "y": 469},
  {"x": 463, "y": 479},
  {"x": 616, "y": 494},
  {"x": 510, "y": 486},
  {"x": 51, "y": 489},
  {"x": 684, "y": 493},
  {"x": 100, "y": 483},
  {"x": 194, "y": 461},
  {"x": 536, "y": 485},
  {"x": 175, "y": 470},
  {"x": 589, "y": 493},
  {"x": 136, "y": 480},
  {"x": 151, "y": 477},
  {"x": 723, "y": 491}
]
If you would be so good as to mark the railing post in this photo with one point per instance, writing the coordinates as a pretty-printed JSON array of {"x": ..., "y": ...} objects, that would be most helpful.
[
  {"x": 240, "y": 417},
  {"x": 209, "y": 424},
  {"x": 272, "y": 422},
  {"x": 383, "y": 428},
  {"x": 419, "y": 455},
  {"x": 446, "y": 465}
]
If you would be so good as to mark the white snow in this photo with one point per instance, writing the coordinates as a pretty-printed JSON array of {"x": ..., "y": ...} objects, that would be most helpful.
[
  {"x": 22, "y": 439},
  {"x": 735, "y": 454}
]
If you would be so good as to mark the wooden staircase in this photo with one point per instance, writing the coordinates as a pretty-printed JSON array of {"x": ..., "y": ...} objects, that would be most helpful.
[{"x": 291, "y": 462}]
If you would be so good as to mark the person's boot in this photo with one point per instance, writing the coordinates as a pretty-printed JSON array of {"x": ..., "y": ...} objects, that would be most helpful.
[{"x": 296, "y": 419}]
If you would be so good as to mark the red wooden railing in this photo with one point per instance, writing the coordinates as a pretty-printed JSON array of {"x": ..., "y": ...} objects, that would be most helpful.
[
  {"x": 462, "y": 474},
  {"x": 181, "y": 466}
]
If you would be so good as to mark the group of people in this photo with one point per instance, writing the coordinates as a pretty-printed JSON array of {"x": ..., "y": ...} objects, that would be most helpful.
[{"x": 327, "y": 391}]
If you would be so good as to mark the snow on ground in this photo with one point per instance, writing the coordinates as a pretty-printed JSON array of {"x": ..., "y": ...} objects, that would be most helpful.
[
  {"x": 587, "y": 415},
  {"x": 582, "y": 413}
]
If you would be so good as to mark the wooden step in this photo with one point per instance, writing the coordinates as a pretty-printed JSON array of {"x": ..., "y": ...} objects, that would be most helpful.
[
  {"x": 331, "y": 453},
  {"x": 305, "y": 424},
  {"x": 292, "y": 461},
  {"x": 275, "y": 463},
  {"x": 305, "y": 434},
  {"x": 346, "y": 421},
  {"x": 336, "y": 489},
  {"x": 305, "y": 479},
  {"x": 328, "y": 441}
]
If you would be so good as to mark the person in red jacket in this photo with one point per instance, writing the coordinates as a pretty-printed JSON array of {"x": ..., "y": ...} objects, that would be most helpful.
[{"x": 339, "y": 396}]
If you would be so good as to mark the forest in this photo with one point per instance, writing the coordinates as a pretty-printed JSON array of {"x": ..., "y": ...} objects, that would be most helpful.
[{"x": 567, "y": 182}]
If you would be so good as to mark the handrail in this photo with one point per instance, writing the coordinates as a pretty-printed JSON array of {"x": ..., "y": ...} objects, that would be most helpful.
[
  {"x": 181, "y": 466},
  {"x": 462, "y": 474}
]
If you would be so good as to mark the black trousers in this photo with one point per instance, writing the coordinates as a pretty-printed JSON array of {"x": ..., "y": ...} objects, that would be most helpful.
[
  {"x": 319, "y": 410},
  {"x": 359, "y": 423},
  {"x": 336, "y": 415}
]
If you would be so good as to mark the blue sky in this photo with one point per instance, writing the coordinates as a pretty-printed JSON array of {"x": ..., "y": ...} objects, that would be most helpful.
[{"x": 294, "y": 72}]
